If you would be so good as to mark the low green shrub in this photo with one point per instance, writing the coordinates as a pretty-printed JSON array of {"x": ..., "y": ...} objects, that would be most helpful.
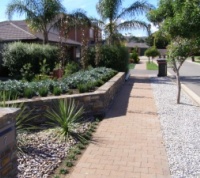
[
  {"x": 86, "y": 87},
  {"x": 64, "y": 171},
  {"x": 134, "y": 55},
  {"x": 85, "y": 142},
  {"x": 152, "y": 52},
  {"x": 18, "y": 56},
  {"x": 81, "y": 146},
  {"x": 29, "y": 92},
  {"x": 115, "y": 57},
  {"x": 71, "y": 68},
  {"x": 76, "y": 151},
  {"x": 72, "y": 156},
  {"x": 99, "y": 82},
  {"x": 87, "y": 135},
  {"x": 91, "y": 86},
  {"x": 69, "y": 164},
  {"x": 82, "y": 88},
  {"x": 57, "y": 90},
  {"x": 43, "y": 91}
]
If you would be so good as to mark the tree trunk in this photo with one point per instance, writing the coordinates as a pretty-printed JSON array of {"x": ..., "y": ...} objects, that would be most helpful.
[
  {"x": 179, "y": 86},
  {"x": 45, "y": 35},
  {"x": 193, "y": 59}
]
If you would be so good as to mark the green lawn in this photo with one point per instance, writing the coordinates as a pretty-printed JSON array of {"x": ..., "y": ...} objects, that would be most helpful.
[
  {"x": 197, "y": 59},
  {"x": 151, "y": 66},
  {"x": 131, "y": 66}
]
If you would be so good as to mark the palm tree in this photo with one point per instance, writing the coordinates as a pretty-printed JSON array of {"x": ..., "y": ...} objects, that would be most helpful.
[
  {"x": 113, "y": 16},
  {"x": 41, "y": 15}
]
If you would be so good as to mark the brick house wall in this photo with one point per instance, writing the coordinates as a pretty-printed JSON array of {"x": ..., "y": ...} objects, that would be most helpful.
[{"x": 92, "y": 34}]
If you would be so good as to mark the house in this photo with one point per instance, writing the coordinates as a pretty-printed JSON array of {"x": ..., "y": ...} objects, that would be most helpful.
[
  {"x": 141, "y": 47},
  {"x": 92, "y": 34},
  {"x": 163, "y": 52},
  {"x": 11, "y": 31}
]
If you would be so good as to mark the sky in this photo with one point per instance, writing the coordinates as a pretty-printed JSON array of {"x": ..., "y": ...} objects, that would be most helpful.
[{"x": 87, "y": 5}]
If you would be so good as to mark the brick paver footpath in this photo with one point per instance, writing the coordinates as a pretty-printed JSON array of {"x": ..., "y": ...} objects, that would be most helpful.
[{"x": 128, "y": 142}]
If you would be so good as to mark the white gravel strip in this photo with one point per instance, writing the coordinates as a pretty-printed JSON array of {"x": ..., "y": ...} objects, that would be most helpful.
[{"x": 181, "y": 128}]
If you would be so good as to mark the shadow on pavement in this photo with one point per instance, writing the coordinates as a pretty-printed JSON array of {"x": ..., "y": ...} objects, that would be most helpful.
[
  {"x": 191, "y": 79},
  {"x": 120, "y": 103}
]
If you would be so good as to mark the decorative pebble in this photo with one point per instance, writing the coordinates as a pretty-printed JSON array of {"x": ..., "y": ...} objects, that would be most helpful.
[
  {"x": 180, "y": 124},
  {"x": 42, "y": 152}
]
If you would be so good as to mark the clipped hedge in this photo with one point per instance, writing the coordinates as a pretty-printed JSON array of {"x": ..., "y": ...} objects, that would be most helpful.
[
  {"x": 16, "y": 55},
  {"x": 115, "y": 57},
  {"x": 52, "y": 87},
  {"x": 152, "y": 52}
]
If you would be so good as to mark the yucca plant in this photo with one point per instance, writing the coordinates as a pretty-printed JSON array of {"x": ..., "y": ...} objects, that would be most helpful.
[{"x": 66, "y": 115}]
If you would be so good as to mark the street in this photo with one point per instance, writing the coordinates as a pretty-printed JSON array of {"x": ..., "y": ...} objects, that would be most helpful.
[{"x": 190, "y": 76}]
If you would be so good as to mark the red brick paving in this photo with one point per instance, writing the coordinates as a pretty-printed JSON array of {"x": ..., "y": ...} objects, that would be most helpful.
[{"x": 128, "y": 143}]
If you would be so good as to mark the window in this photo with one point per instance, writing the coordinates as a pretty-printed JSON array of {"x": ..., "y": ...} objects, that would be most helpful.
[{"x": 91, "y": 33}]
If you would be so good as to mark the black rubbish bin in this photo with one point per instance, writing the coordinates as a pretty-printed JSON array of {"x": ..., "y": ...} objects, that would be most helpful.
[{"x": 162, "y": 67}]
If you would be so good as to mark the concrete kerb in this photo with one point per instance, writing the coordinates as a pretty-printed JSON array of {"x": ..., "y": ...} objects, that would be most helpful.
[{"x": 189, "y": 92}]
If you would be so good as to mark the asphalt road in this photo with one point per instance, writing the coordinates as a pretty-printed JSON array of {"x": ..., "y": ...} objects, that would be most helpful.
[{"x": 190, "y": 76}]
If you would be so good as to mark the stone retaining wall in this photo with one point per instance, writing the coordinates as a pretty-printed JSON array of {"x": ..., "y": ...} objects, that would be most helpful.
[
  {"x": 8, "y": 149},
  {"x": 94, "y": 103}
]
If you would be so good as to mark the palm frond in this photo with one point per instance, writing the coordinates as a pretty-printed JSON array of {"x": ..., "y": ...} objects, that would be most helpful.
[
  {"x": 137, "y": 8},
  {"x": 132, "y": 24},
  {"x": 21, "y": 8},
  {"x": 81, "y": 17},
  {"x": 108, "y": 9}
]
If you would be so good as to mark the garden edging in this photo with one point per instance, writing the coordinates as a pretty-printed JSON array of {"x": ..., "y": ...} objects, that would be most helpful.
[{"x": 94, "y": 103}]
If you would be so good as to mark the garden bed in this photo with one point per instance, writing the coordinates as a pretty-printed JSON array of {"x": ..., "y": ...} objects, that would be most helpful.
[
  {"x": 84, "y": 81},
  {"x": 94, "y": 103},
  {"x": 44, "y": 151}
]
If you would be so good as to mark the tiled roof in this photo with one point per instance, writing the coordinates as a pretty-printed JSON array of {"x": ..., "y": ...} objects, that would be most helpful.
[
  {"x": 162, "y": 51},
  {"x": 18, "y": 30},
  {"x": 139, "y": 45},
  {"x": 10, "y": 31}
]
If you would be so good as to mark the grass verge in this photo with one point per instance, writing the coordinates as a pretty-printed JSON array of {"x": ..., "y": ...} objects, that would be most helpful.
[{"x": 151, "y": 66}]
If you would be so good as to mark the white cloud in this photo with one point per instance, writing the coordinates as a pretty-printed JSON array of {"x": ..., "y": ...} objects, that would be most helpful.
[{"x": 153, "y": 28}]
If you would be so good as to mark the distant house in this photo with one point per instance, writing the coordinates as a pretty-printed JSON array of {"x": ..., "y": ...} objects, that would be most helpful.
[
  {"x": 163, "y": 52},
  {"x": 141, "y": 47},
  {"x": 11, "y": 31}
]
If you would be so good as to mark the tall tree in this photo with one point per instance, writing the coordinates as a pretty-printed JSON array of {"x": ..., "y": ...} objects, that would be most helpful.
[
  {"x": 41, "y": 15},
  {"x": 113, "y": 15},
  {"x": 181, "y": 20}
]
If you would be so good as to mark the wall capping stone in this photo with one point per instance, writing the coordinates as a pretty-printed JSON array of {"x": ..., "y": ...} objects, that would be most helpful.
[{"x": 8, "y": 149}]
